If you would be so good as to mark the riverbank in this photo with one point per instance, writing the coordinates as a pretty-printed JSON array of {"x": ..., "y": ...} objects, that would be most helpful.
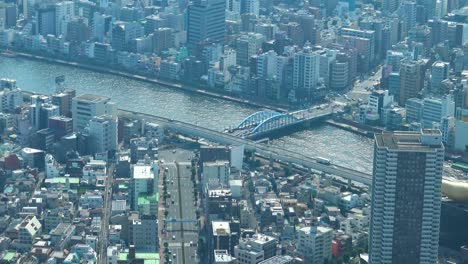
[
  {"x": 352, "y": 127},
  {"x": 159, "y": 82}
]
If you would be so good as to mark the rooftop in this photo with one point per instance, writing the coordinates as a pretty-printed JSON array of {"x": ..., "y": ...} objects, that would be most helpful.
[
  {"x": 142, "y": 172},
  {"x": 221, "y": 228},
  {"x": 426, "y": 140},
  {"x": 145, "y": 199},
  {"x": 91, "y": 98}
]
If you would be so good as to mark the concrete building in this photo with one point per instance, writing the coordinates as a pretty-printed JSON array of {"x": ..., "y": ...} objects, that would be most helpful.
[
  {"x": 411, "y": 80},
  {"x": 223, "y": 257},
  {"x": 306, "y": 74},
  {"x": 406, "y": 197},
  {"x": 39, "y": 114},
  {"x": 144, "y": 233},
  {"x": 63, "y": 100},
  {"x": 143, "y": 181},
  {"x": 217, "y": 171},
  {"x": 11, "y": 96},
  {"x": 28, "y": 230},
  {"x": 206, "y": 21},
  {"x": 87, "y": 106},
  {"x": 248, "y": 45},
  {"x": 435, "y": 109},
  {"x": 103, "y": 133},
  {"x": 414, "y": 108},
  {"x": 315, "y": 244},
  {"x": 439, "y": 72},
  {"x": 64, "y": 12},
  {"x": 253, "y": 250},
  {"x": 461, "y": 130}
]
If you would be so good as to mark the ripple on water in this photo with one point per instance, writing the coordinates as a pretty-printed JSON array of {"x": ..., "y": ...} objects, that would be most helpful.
[{"x": 341, "y": 146}]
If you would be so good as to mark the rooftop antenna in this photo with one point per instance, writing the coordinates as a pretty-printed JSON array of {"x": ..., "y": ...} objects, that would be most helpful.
[{"x": 59, "y": 81}]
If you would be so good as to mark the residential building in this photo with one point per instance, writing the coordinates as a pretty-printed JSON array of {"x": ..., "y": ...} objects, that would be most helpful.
[
  {"x": 315, "y": 244},
  {"x": 406, "y": 197}
]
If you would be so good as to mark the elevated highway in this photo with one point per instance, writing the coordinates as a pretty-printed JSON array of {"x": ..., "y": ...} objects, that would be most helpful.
[{"x": 269, "y": 151}]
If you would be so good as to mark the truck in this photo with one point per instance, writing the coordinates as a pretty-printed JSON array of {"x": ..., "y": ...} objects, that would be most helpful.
[{"x": 322, "y": 160}]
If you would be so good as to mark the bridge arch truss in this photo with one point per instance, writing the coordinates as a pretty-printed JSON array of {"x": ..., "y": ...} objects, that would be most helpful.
[
  {"x": 275, "y": 122},
  {"x": 256, "y": 119}
]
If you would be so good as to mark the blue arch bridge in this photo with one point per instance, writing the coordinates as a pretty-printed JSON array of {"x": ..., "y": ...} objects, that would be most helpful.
[{"x": 262, "y": 123}]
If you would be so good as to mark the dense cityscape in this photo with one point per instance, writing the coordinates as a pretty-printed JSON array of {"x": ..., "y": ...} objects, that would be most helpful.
[{"x": 234, "y": 131}]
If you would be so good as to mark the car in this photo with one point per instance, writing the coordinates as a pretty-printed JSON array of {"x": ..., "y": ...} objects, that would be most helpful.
[
  {"x": 166, "y": 169},
  {"x": 174, "y": 255},
  {"x": 172, "y": 201},
  {"x": 174, "y": 151},
  {"x": 173, "y": 237}
]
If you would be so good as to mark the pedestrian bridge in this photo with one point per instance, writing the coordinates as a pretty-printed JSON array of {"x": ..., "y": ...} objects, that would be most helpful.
[{"x": 264, "y": 122}]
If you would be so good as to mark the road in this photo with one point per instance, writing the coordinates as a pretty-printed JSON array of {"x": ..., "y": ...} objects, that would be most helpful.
[
  {"x": 182, "y": 234},
  {"x": 106, "y": 212}
]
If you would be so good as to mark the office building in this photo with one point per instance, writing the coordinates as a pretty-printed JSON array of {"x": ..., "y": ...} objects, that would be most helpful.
[
  {"x": 101, "y": 26},
  {"x": 163, "y": 39},
  {"x": 248, "y": 45},
  {"x": 87, "y": 106},
  {"x": 406, "y": 197},
  {"x": 45, "y": 20},
  {"x": 103, "y": 133},
  {"x": 8, "y": 15},
  {"x": 11, "y": 96},
  {"x": 339, "y": 72},
  {"x": 223, "y": 257},
  {"x": 144, "y": 179},
  {"x": 389, "y": 6},
  {"x": 250, "y": 7},
  {"x": 363, "y": 40},
  {"x": 206, "y": 21},
  {"x": 216, "y": 172},
  {"x": 315, "y": 244},
  {"x": 439, "y": 72},
  {"x": 435, "y": 109},
  {"x": 64, "y": 12},
  {"x": 411, "y": 80},
  {"x": 63, "y": 99},
  {"x": 29, "y": 229},
  {"x": 144, "y": 234},
  {"x": 461, "y": 130},
  {"x": 40, "y": 113},
  {"x": 414, "y": 109}
]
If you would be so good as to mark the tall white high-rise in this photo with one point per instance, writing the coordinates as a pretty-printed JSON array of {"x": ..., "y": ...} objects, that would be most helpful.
[
  {"x": 64, "y": 11},
  {"x": 306, "y": 73},
  {"x": 406, "y": 197}
]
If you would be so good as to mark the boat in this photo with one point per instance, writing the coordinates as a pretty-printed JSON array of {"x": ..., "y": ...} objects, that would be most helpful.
[{"x": 8, "y": 53}]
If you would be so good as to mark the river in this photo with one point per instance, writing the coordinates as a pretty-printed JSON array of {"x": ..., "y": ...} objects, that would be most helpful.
[{"x": 343, "y": 147}]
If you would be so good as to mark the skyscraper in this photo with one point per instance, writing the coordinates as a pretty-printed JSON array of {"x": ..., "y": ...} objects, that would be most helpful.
[
  {"x": 206, "y": 20},
  {"x": 406, "y": 198}
]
